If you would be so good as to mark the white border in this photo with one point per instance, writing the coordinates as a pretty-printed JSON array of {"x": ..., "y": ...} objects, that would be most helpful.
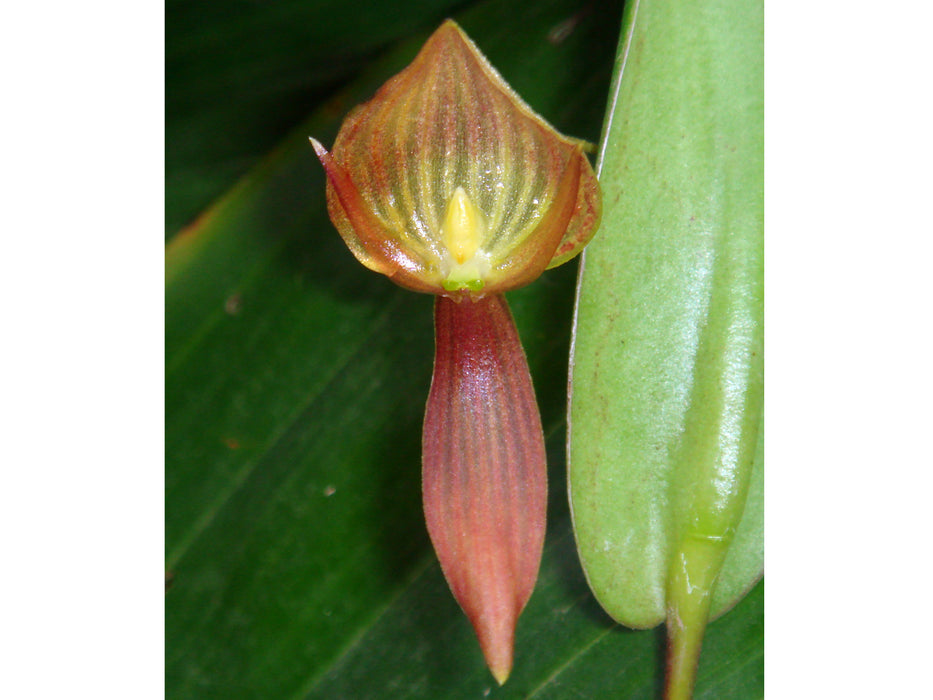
[{"x": 82, "y": 364}]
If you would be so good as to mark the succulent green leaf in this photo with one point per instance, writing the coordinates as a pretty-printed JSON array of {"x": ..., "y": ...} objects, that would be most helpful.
[{"x": 667, "y": 381}]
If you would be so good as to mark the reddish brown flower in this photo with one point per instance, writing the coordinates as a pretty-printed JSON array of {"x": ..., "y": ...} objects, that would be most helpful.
[
  {"x": 446, "y": 181},
  {"x": 449, "y": 184}
]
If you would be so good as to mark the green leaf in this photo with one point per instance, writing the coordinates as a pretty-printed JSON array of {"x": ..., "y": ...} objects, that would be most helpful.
[
  {"x": 667, "y": 388},
  {"x": 241, "y": 74},
  {"x": 298, "y": 563}
]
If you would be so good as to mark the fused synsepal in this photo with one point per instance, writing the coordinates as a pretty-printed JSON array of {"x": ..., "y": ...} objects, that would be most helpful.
[{"x": 484, "y": 473}]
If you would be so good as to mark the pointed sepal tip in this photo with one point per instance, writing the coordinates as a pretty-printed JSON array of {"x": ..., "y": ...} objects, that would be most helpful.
[
  {"x": 318, "y": 148},
  {"x": 501, "y": 674}
]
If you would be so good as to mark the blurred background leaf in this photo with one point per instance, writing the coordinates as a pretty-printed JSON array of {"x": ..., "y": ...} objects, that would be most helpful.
[
  {"x": 297, "y": 560},
  {"x": 240, "y": 74}
]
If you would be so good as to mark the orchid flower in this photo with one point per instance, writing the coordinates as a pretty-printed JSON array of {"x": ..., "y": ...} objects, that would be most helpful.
[{"x": 449, "y": 184}]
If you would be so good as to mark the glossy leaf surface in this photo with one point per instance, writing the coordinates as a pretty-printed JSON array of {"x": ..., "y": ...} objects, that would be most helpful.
[
  {"x": 298, "y": 561},
  {"x": 667, "y": 385}
]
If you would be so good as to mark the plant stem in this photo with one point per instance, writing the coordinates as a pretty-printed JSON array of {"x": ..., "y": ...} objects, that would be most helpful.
[{"x": 694, "y": 570}]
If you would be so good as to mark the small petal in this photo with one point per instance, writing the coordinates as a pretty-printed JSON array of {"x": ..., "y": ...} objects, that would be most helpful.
[
  {"x": 378, "y": 252},
  {"x": 484, "y": 473}
]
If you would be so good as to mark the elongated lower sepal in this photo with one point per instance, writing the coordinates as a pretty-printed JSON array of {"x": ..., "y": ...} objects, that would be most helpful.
[{"x": 484, "y": 471}]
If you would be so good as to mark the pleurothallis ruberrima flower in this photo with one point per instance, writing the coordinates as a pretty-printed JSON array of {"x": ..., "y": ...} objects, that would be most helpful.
[{"x": 449, "y": 184}]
